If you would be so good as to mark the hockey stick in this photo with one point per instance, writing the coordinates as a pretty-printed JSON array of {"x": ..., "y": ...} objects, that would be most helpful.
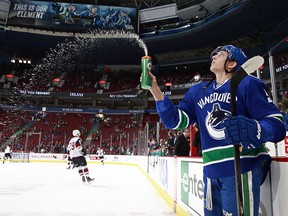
[{"x": 248, "y": 67}]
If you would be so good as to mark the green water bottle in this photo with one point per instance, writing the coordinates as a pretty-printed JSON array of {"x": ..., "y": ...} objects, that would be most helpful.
[{"x": 146, "y": 65}]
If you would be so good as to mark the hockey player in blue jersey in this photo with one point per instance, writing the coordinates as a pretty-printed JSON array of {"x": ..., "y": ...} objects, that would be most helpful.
[{"x": 258, "y": 120}]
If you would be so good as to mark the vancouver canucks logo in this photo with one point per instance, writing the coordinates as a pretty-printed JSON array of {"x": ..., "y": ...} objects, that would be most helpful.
[{"x": 213, "y": 120}]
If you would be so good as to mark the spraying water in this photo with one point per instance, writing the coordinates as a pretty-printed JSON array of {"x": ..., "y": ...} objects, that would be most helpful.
[
  {"x": 94, "y": 48},
  {"x": 97, "y": 47},
  {"x": 117, "y": 34},
  {"x": 91, "y": 49}
]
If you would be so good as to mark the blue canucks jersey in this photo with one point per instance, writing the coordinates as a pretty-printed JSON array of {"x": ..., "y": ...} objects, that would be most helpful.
[{"x": 209, "y": 105}]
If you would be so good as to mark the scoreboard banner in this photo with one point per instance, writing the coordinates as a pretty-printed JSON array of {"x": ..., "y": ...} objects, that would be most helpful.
[{"x": 70, "y": 16}]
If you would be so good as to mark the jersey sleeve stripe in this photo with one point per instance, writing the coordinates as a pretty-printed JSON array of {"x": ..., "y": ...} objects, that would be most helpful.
[
  {"x": 183, "y": 120},
  {"x": 276, "y": 116}
]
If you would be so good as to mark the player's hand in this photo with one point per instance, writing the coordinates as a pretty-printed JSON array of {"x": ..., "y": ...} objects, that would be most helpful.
[
  {"x": 153, "y": 79},
  {"x": 155, "y": 89},
  {"x": 246, "y": 131}
]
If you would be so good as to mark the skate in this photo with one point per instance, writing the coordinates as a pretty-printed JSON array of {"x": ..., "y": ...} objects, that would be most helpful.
[
  {"x": 83, "y": 179},
  {"x": 89, "y": 180}
]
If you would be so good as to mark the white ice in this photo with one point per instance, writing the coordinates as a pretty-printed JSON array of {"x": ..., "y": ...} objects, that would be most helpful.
[{"x": 48, "y": 189}]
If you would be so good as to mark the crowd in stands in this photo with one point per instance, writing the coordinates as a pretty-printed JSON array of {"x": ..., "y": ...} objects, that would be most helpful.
[
  {"x": 116, "y": 134},
  {"x": 11, "y": 121},
  {"x": 79, "y": 82},
  {"x": 90, "y": 81},
  {"x": 281, "y": 58}
]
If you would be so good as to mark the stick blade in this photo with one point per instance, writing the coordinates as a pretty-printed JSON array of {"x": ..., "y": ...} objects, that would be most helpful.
[{"x": 253, "y": 64}]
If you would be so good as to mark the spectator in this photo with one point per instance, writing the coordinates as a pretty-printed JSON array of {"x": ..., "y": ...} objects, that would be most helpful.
[
  {"x": 196, "y": 142},
  {"x": 182, "y": 144},
  {"x": 170, "y": 143}
]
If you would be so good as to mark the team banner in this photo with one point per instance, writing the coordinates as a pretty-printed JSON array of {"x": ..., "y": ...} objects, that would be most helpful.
[
  {"x": 29, "y": 14},
  {"x": 70, "y": 16}
]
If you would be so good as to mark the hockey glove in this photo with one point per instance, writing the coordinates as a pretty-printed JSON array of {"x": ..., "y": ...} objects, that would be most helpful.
[
  {"x": 84, "y": 152},
  {"x": 239, "y": 129}
]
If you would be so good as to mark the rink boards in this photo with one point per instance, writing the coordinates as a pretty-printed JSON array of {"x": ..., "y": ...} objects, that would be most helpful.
[{"x": 179, "y": 180}]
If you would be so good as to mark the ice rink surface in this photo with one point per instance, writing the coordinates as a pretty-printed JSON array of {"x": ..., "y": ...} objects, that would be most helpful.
[{"x": 49, "y": 189}]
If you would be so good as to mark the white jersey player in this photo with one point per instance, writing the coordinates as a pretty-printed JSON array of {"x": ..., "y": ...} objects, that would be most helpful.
[
  {"x": 76, "y": 153},
  {"x": 100, "y": 152},
  {"x": 7, "y": 153}
]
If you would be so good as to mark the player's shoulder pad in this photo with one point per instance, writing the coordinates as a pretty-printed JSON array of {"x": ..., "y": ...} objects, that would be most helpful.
[
  {"x": 194, "y": 88},
  {"x": 250, "y": 79}
]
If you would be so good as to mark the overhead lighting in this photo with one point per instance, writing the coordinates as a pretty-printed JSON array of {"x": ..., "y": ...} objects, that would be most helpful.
[
  {"x": 197, "y": 77},
  {"x": 21, "y": 61}
]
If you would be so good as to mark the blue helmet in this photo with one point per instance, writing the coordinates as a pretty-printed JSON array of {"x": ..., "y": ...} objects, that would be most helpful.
[{"x": 234, "y": 54}]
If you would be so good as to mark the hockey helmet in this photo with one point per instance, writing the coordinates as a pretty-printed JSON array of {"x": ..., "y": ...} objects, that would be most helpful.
[
  {"x": 76, "y": 133},
  {"x": 234, "y": 54}
]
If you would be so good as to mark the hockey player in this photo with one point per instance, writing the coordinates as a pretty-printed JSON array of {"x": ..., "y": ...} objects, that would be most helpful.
[
  {"x": 100, "y": 152},
  {"x": 76, "y": 154},
  {"x": 7, "y": 154},
  {"x": 258, "y": 120}
]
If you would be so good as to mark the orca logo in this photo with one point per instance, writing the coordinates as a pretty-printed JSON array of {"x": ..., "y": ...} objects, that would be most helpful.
[{"x": 213, "y": 121}]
